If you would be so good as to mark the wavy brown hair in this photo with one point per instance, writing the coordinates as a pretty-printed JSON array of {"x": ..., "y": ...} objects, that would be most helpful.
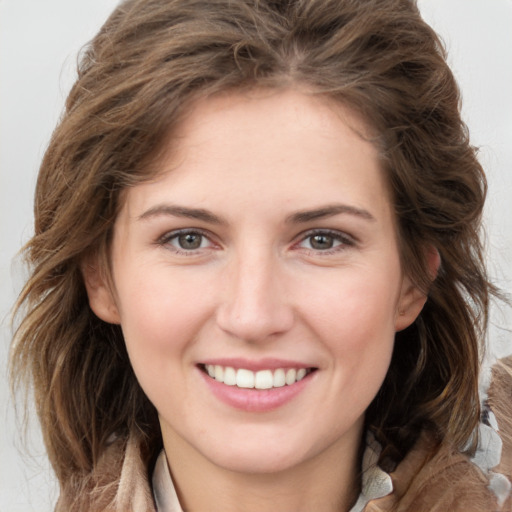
[{"x": 136, "y": 79}]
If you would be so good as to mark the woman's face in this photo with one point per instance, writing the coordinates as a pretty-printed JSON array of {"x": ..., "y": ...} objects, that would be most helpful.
[{"x": 265, "y": 255}]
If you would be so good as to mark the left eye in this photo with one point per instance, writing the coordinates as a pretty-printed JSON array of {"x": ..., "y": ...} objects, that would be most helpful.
[
  {"x": 322, "y": 242},
  {"x": 325, "y": 241},
  {"x": 187, "y": 240}
]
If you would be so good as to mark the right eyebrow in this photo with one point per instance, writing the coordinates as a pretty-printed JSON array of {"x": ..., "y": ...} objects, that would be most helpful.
[{"x": 182, "y": 211}]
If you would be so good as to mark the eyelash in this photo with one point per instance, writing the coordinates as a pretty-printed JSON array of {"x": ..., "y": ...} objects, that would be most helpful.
[
  {"x": 345, "y": 241},
  {"x": 166, "y": 240}
]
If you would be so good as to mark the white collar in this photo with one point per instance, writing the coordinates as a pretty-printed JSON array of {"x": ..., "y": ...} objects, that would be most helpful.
[
  {"x": 375, "y": 483},
  {"x": 164, "y": 492}
]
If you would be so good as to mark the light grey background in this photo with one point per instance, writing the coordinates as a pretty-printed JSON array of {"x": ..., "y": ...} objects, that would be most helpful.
[{"x": 39, "y": 41}]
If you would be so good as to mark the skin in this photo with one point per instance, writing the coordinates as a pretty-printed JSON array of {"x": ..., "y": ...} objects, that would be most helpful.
[{"x": 261, "y": 286}]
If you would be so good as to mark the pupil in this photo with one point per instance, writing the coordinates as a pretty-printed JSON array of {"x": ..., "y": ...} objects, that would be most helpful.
[
  {"x": 321, "y": 242},
  {"x": 190, "y": 241}
]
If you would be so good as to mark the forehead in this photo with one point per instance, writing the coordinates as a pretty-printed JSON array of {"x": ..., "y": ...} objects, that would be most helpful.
[
  {"x": 254, "y": 109},
  {"x": 273, "y": 109},
  {"x": 267, "y": 142}
]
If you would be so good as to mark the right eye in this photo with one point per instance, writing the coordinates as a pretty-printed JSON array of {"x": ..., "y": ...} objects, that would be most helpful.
[{"x": 186, "y": 241}]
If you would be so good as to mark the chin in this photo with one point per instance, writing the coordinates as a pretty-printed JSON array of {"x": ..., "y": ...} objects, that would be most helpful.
[{"x": 257, "y": 461}]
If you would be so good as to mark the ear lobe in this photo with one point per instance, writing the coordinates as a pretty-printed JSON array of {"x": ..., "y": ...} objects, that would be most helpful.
[
  {"x": 412, "y": 299},
  {"x": 99, "y": 293}
]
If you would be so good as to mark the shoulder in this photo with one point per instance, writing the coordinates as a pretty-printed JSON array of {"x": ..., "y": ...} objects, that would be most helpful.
[
  {"x": 500, "y": 402},
  {"x": 436, "y": 477},
  {"x": 118, "y": 483}
]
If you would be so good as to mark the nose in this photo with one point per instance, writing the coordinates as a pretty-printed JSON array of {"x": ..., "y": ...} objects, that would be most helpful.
[{"x": 255, "y": 306}]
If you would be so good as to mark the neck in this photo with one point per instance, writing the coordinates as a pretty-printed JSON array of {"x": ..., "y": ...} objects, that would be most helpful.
[{"x": 329, "y": 482}]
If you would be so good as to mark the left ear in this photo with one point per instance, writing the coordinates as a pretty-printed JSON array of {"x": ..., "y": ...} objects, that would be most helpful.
[{"x": 412, "y": 298}]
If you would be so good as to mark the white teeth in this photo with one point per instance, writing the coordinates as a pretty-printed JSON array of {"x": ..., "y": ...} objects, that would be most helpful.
[
  {"x": 230, "y": 376},
  {"x": 301, "y": 373},
  {"x": 263, "y": 379},
  {"x": 291, "y": 375},
  {"x": 244, "y": 378},
  {"x": 279, "y": 378},
  {"x": 219, "y": 373}
]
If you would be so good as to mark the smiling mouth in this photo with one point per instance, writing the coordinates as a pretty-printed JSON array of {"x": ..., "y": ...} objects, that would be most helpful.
[{"x": 262, "y": 379}]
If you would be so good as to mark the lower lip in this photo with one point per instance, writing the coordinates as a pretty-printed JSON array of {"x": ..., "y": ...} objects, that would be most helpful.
[{"x": 255, "y": 400}]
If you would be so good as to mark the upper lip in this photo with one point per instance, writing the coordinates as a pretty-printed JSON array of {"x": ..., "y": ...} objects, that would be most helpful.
[{"x": 256, "y": 365}]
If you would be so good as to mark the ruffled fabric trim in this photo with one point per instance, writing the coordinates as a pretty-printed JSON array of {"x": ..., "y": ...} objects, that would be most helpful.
[{"x": 488, "y": 456}]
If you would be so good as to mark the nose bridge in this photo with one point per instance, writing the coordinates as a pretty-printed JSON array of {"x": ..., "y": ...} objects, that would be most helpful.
[{"x": 255, "y": 304}]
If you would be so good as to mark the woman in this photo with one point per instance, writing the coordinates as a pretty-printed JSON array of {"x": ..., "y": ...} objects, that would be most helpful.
[{"x": 257, "y": 227}]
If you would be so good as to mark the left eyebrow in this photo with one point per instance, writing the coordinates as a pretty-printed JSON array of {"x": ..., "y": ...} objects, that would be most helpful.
[
  {"x": 328, "y": 211},
  {"x": 182, "y": 211}
]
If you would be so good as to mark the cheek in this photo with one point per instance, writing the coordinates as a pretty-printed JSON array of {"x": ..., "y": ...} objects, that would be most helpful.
[
  {"x": 355, "y": 322},
  {"x": 360, "y": 304},
  {"x": 157, "y": 302},
  {"x": 160, "y": 318}
]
